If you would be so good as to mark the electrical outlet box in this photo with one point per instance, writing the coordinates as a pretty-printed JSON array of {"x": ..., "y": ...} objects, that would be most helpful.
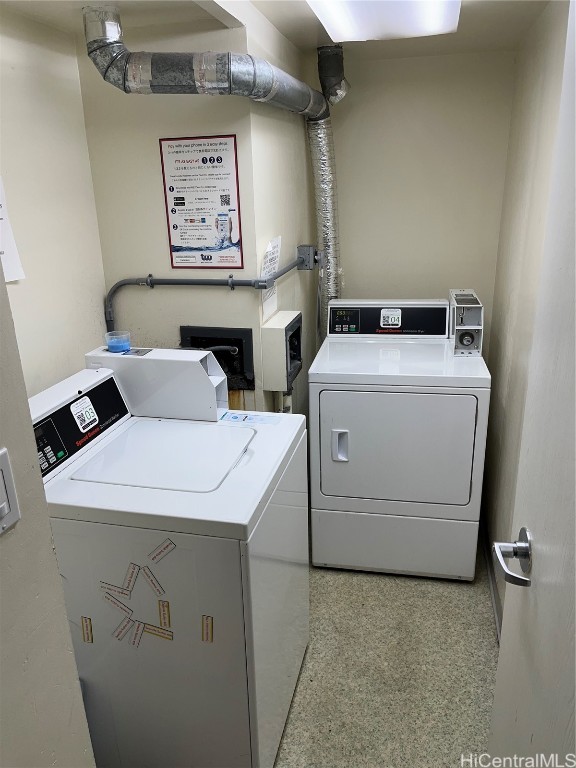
[{"x": 281, "y": 351}]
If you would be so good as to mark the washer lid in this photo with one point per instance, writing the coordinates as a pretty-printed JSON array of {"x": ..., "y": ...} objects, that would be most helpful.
[{"x": 168, "y": 455}]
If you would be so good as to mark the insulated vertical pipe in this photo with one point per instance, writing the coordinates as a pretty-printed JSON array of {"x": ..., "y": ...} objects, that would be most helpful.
[{"x": 324, "y": 173}]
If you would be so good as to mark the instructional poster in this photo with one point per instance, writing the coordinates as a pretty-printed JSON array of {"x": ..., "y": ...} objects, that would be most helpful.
[{"x": 202, "y": 202}]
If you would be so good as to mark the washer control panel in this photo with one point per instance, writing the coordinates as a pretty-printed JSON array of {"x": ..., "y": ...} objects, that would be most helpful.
[
  {"x": 379, "y": 318},
  {"x": 69, "y": 428}
]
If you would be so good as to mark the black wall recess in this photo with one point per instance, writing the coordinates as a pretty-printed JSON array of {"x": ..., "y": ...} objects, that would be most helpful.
[{"x": 232, "y": 347}]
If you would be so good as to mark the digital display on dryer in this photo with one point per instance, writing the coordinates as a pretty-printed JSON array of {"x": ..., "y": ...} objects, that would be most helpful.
[{"x": 344, "y": 320}]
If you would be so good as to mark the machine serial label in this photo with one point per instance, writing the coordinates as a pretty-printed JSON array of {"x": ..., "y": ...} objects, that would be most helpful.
[
  {"x": 84, "y": 413},
  {"x": 390, "y": 318}
]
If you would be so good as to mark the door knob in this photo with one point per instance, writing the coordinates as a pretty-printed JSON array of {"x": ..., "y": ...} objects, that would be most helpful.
[{"x": 522, "y": 549}]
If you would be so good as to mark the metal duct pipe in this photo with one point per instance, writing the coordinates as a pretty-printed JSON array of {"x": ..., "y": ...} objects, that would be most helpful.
[
  {"x": 331, "y": 73},
  {"x": 324, "y": 172},
  {"x": 241, "y": 75},
  {"x": 194, "y": 73}
]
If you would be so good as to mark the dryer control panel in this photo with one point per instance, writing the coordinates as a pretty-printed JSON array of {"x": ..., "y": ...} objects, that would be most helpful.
[{"x": 406, "y": 318}]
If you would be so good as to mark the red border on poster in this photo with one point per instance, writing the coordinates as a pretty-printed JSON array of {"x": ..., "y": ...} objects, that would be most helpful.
[{"x": 203, "y": 266}]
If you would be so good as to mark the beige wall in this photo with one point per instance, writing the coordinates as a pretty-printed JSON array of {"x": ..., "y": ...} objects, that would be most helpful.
[
  {"x": 533, "y": 134},
  {"x": 123, "y": 133},
  {"x": 41, "y": 711},
  {"x": 282, "y": 207},
  {"x": 44, "y": 163},
  {"x": 421, "y": 149}
]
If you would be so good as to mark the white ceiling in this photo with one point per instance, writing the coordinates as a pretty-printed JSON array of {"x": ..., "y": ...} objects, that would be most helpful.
[
  {"x": 484, "y": 24},
  {"x": 66, "y": 15}
]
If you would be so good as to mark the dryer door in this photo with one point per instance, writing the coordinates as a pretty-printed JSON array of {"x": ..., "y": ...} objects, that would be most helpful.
[{"x": 397, "y": 446}]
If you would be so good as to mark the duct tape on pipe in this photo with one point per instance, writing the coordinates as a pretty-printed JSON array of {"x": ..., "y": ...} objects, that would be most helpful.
[{"x": 139, "y": 73}]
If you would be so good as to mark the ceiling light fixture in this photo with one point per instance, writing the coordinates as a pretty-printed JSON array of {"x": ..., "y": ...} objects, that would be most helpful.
[{"x": 354, "y": 20}]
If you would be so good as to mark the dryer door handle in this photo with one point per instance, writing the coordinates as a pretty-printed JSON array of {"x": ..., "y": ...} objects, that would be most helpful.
[{"x": 340, "y": 443}]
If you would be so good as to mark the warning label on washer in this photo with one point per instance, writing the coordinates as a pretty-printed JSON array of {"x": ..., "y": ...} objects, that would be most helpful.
[
  {"x": 131, "y": 576},
  {"x": 117, "y": 604},
  {"x": 137, "y": 634},
  {"x": 164, "y": 613},
  {"x": 123, "y": 628},
  {"x": 165, "y": 634},
  {"x": 162, "y": 550},
  {"x": 87, "y": 635},
  {"x": 207, "y": 629},
  {"x": 152, "y": 580},
  {"x": 114, "y": 590}
]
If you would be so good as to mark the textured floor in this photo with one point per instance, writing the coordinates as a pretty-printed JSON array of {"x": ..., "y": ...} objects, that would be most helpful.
[{"x": 399, "y": 673}]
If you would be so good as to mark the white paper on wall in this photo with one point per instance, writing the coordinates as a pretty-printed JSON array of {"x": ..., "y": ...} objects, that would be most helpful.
[
  {"x": 270, "y": 265},
  {"x": 11, "y": 263}
]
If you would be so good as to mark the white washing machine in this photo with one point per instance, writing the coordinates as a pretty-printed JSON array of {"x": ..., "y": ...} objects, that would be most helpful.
[
  {"x": 397, "y": 438},
  {"x": 183, "y": 551}
]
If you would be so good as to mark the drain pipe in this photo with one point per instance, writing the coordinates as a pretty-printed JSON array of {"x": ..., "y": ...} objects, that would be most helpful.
[{"x": 241, "y": 75}]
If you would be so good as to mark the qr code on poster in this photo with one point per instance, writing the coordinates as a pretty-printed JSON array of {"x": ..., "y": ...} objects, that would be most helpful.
[{"x": 224, "y": 199}]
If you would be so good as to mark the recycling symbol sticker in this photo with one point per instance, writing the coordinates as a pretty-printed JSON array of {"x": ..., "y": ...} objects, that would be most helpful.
[{"x": 130, "y": 626}]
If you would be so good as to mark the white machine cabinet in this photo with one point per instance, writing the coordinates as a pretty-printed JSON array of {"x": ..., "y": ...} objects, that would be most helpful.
[
  {"x": 183, "y": 550},
  {"x": 397, "y": 436}
]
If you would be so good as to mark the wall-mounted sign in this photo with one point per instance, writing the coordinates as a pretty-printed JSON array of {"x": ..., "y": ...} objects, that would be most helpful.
[{"x": 202, "y": 202}]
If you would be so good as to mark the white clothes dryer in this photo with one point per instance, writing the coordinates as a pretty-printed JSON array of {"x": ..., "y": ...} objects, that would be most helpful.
[
  {"x": 183, "y": 551},
  {"x": 397, "y": 438}
]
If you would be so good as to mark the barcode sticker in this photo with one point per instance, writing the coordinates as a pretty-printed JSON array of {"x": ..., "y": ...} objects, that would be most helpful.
[{"x": 390, "y": 317}]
